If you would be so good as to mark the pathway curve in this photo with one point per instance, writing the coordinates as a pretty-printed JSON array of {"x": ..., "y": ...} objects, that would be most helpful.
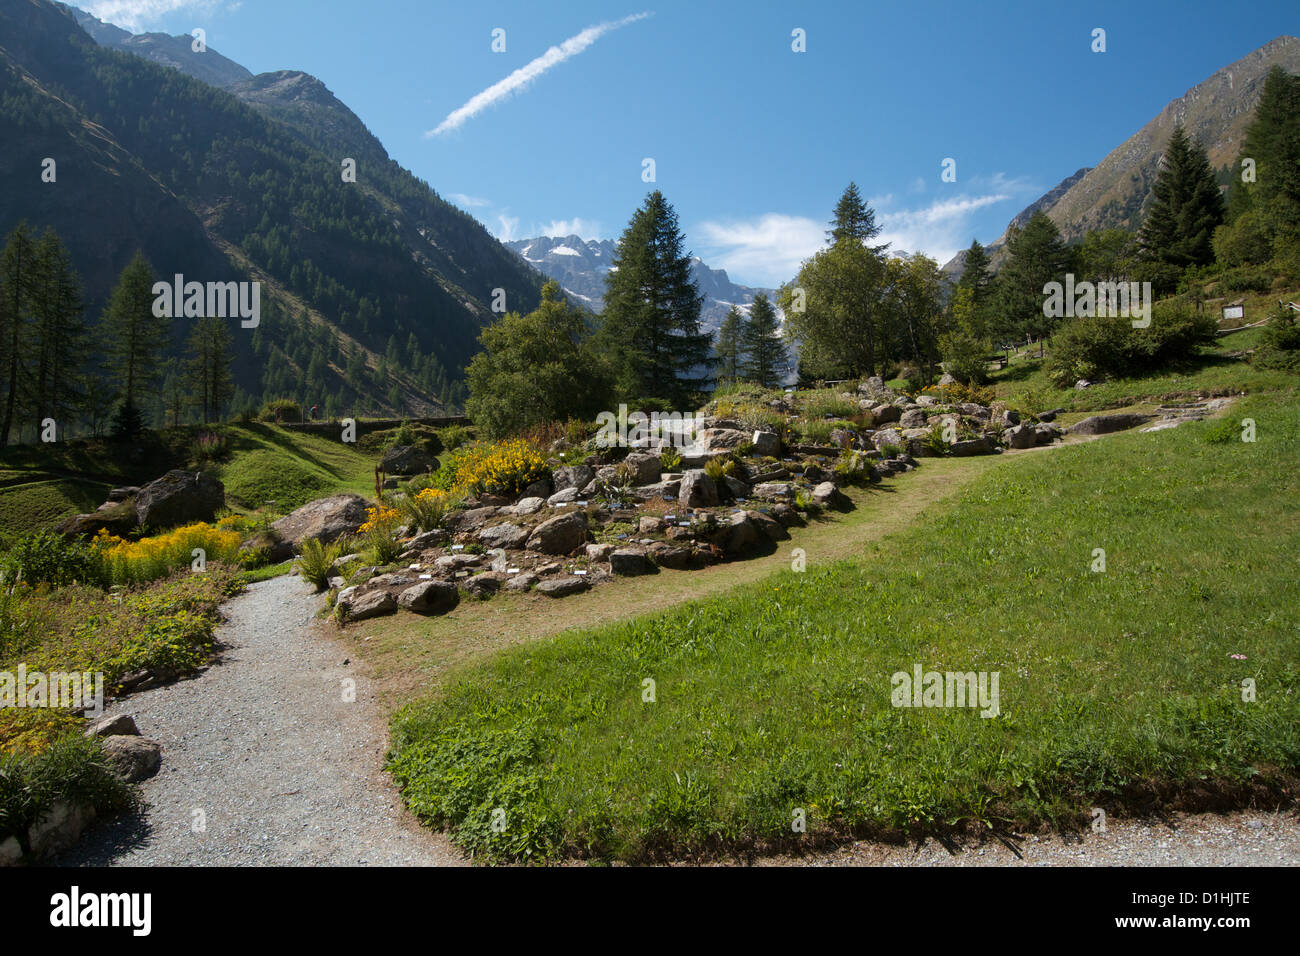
[{"x": 264, "y": 746}]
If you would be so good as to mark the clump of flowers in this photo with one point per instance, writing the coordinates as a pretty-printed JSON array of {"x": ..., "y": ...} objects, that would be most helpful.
[
  {"x": 506, "y": 467},
  {"x": 380, "y": 531},
  {"x": 425, "y": 509},
  {"x": 138, "y": 562}
]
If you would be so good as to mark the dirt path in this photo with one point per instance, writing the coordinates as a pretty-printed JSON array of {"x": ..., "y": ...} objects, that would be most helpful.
[
  {"x": 282, "y": 769},
  {"x": 1205, "y": 839}
]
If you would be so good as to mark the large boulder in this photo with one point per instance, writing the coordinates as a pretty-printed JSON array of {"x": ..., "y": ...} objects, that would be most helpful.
[
  {"x": 559, "y": 535},
  {"x": 766, "y": 444},
  {"x": 134, "y": 758},
  {"x": 179, "y": 497},
  {"x": 1105, "y": 424},
  {"x": 361, "y": 606},
  {"x": 117, "y": 518},
  {"x": 408, "y": 460},
  {"x": 563, "y": 586},
  {"x": 912, "y": 418},
  {"x": 698, "y": 490},
  {"x": 503, "y": 536},
  {"x": 720, "y": 439},
  {"x": 572, "y": 476},
  {"x": 884, "y": 414},
  {"x": 644, "y": 467},
  {"x": 975, "y": 446},
  {"x": 828, "y": 496},
  {"x": 1020, "y": 436},
  {"x": 327, "y": 519},
  {"x": 429, "y": 597},
  {"x": 631, "y": 561}
]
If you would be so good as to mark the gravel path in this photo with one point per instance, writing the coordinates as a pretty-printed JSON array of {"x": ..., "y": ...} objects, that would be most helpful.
[
  {"x": 262, "y": 743},
  {"x": 1205, "y": 839}
]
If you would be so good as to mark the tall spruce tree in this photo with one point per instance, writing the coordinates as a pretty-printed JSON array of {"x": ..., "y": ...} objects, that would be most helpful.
[
  {"x": 59, "y": 334},
  {"x": 1272, "y": 143},
  {"x": 16, "y": 266},
  {"x": 210, "y": 357},
  {"x": 651, "y": 320},
  {"x": 1037, "y": 256},
  {"x": 727, "y": 346},
  {"x": 135, "y": 339},
  {"x": 975, "y": 273},
  {"x": 1186, "y": 206},
  {"x": 765, "y": 355},
  {"x": 853, "y": 218}
]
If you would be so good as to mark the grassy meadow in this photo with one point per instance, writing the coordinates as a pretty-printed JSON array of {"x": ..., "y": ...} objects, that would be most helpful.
[{"x": 1120, "y": 688}]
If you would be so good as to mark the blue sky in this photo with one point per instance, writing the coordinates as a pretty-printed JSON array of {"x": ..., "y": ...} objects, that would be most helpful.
[{"x": 752, "y": 142}]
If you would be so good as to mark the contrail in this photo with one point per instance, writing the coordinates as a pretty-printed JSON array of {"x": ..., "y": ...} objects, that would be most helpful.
[{"x": 521, "y": 77}]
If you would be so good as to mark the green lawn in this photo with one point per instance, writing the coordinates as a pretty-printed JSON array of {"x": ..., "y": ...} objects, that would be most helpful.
[{"x": 1120, "y": 689}]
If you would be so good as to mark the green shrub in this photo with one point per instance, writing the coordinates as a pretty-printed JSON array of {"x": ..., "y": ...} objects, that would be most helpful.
[
  {"x": 453, "y": 436},
  {"x": 670, "y": 459},
  {"x": 964, "y": 358},
  {"x": 49, "y": 558},
  {"x": 316, "y": 561},
  {"x": 72, "y": 768},
  {"x": 1279, "y": 345},
  {"x": 1096, "y": 348},
  {"x": 283, "y": 409}
]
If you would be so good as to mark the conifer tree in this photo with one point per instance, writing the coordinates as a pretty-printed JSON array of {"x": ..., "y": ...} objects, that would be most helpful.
[
  {"x": 134, "y": 338},
  {"x": 210, "y": 381},
  {"x": 651, "y": 320},
  {"x": 727, "y": 346},
  {"x": 1186, "y": 206},
  {"x": 853, "y": 218},
  {"x": 765, "y": 354},
  {"x": 16, "y": 266},
  {"x": 59, "y": 333}
]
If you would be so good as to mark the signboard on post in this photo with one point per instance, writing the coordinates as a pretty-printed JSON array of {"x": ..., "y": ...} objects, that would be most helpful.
[{"x": 1234, "y": 311}]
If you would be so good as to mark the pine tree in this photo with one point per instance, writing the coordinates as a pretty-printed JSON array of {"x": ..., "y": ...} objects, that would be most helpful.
[
  {"x": 16, "y": 266},
  {"x": 1037, "y": 256},
  {"x": 854, "y": 219},
  {"x": 975, "y": 273},
  {"x": 1186, "y": 206},
  {"x": 727, "y": 346},
  {"x": 135, "y": 338},
  {"x": 59, "y": 332},
  {"x": 765, "y": 354},
  {"x": 210, "y": 381},
  {"x": 651, "y": 321},
  {"x": 1268, "y": 210}
]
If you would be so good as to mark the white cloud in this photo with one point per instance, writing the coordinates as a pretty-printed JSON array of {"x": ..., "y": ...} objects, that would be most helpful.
[
  {"x": 521, "y": 78},
  {"x": 764, "y": 251},
  {"x": 768, "y": 250},
  {"x": 508, "y": 227},
  {"x": 577, "y": 226},
  {"x": 938, "y": 230},
  {"x": 139, "y": 15},
  {"x": 468, "y": 202}
]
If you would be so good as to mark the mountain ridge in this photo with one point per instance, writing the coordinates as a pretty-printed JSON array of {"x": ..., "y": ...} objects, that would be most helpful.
[{"x": 1115, "y": 192}]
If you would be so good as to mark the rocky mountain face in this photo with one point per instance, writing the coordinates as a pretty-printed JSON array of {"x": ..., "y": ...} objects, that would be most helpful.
[
  {"x": 1114, "y": 193},
  {"x": 244, "y": 182},
  {"x": 580, "y": 266},
  {"x": 177, "y": 52}
]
